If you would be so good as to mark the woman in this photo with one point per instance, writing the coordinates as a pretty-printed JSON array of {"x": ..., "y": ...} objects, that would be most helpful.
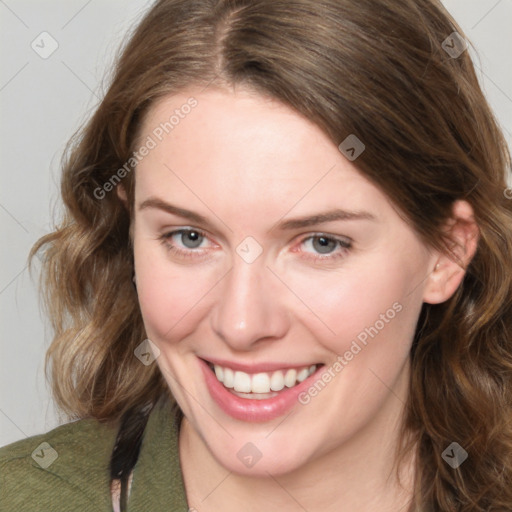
[{"x": 283, "y": 279}]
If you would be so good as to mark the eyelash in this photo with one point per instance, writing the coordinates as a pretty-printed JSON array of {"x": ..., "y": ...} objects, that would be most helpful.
[{"x": 345, "y": 245}]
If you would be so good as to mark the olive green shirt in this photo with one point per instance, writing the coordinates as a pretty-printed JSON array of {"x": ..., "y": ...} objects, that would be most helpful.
[{"x": 67, "y": 469}]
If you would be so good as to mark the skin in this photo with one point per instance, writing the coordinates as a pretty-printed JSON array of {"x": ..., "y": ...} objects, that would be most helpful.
[{"x": 246, "y": 162}]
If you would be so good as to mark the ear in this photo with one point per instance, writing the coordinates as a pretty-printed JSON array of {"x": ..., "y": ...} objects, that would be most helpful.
[
  {"x": 121, "y": 193},
  {"x": 448, "y": 270}
]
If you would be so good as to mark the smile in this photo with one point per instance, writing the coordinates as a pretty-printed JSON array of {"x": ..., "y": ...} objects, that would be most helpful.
[
  {"x": 256, "y": 392},
  {"x": 260, "y": 385}
]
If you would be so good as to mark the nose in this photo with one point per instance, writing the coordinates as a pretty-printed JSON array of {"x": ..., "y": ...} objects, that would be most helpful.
[{"x": 250, "y": 309}]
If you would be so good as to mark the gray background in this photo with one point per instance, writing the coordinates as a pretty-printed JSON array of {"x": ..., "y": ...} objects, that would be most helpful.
[{"x": 44, "y": 101}]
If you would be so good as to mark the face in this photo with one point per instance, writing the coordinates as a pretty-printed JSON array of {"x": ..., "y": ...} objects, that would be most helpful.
[{"x": 309, "y": 323}]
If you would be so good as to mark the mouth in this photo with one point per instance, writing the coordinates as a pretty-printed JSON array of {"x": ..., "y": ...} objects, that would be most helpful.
[
  {"x": 261, "y": 385},
  {"x": 258, "y": 392}
]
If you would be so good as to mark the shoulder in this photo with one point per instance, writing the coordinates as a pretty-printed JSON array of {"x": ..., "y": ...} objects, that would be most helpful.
[{"x": 66, "y": 468}]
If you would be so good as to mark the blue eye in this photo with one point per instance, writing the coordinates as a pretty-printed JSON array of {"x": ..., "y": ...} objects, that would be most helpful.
[
  {"x": 190, "y": 239},
  {"x": 326, "y": 247},
  {"x": 192, "y": 236}
]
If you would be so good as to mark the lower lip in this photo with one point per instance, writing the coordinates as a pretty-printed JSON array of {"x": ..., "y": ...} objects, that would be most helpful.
[{"x": 253, "y": 410}]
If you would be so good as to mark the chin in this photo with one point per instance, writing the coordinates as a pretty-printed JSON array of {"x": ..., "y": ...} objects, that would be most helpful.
[{"x": 259, "y": 457}]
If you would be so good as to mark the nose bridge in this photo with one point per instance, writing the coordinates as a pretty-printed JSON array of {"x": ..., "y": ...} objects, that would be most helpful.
[{"x": 246, "y": 310}]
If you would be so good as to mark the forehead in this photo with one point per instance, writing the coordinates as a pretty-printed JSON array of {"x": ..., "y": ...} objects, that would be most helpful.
[
  {"x": 248, "y": 150},
  {"x": 225, "y": 122}
]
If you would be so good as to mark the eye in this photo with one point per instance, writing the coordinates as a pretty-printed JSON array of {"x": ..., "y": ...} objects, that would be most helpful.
[
  {"x": 190, "y": 238},
  {"x": 326, "y": 246}
]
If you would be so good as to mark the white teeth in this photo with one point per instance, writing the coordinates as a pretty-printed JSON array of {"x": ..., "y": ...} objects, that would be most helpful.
[
  {"x": 229, "y": 378},
  {"x": 303, "y": 374},
  {"x": 242, "y": 382},
  {"x": 277, "y": 381},
  {"x": 219, "y": 372},
  {"x": 260, "y": 383},
  {"x": 290, "y": 378},
  {"x": 263, "y": 383}
]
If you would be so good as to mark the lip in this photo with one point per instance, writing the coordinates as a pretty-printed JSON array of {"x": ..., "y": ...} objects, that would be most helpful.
[
  {"x": 252, "y": 410},
  {"x": 256, "y": 367}
]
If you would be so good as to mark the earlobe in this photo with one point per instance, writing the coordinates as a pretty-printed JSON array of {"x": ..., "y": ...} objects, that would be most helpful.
[{"x": 448, "y": 270}]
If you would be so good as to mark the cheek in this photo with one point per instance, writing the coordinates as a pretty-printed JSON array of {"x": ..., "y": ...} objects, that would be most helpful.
[
  {"x": 172, "y": 298},
  {"x": 373, "y": 314},
  {"x": 361, "y": 306}
]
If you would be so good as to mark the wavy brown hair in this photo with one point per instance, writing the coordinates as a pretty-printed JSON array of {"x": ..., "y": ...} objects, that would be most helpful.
[{"x": 374, "y": 68}]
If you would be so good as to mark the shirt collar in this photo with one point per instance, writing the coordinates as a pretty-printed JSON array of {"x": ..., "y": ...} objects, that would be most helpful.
[{"x": 157, "y": 479}]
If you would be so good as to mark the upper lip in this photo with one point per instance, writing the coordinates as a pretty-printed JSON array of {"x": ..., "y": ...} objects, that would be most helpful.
[{"x": 256, "y": 367}]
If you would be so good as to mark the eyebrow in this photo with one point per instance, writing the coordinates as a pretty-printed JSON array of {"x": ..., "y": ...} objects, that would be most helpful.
[
  {"x": 330, "y": 216},
  {"x": 297, "y": 223},
  {"x": 154, "y": 202}
]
